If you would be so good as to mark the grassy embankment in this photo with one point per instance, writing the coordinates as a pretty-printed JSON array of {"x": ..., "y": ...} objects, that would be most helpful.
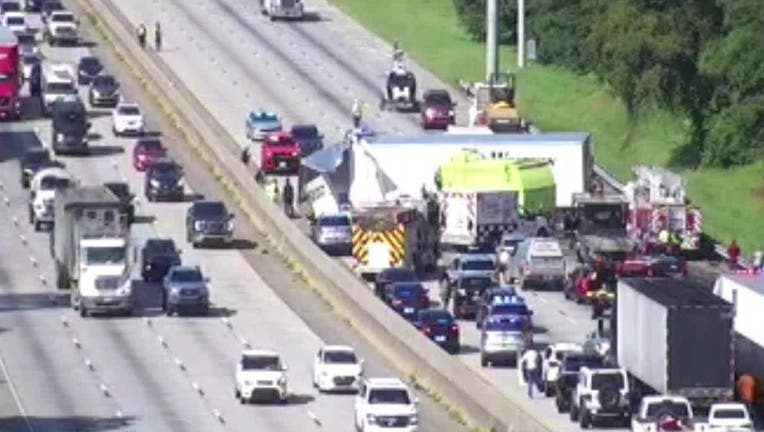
[{"x": 559, "y": 100}]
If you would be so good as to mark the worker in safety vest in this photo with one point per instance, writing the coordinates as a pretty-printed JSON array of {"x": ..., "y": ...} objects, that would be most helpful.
[
  {"x": 272, "y": 189},
  {"x": 748, "y": 391},
  {"x": 733, "y": 251},
  {"x": 357, "y": 112}
]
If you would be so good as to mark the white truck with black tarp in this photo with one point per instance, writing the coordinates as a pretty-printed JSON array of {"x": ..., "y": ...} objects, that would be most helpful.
[
  {"x": 673, "y": 336},
  {"x": 468, "y": 218},
  {"x": 91, "y": 247},
  {"x": 282, "y": 9}
]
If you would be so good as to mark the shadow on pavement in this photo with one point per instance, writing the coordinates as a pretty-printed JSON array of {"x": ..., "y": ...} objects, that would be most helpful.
[
  {"x": 43, "y": 300},
  {"x": 73, "y": 423}
]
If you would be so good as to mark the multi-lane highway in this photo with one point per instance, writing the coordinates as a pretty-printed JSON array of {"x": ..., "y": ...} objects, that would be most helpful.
[{"x": 150, "y": 372}]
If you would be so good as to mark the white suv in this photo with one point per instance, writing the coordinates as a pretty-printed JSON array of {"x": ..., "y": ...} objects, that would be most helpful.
[
  {"x": 600, "y": 394},
  {"x": 260, "y": 374},
  {"x": 385, "y": 405},
  {"x": 337, "y": 368},
  {"x": 127, "y": 119}
]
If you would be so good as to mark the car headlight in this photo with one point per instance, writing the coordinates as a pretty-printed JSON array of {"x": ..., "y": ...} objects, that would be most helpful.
[
  {"x": 154, "y": 183},
  {"x": 282, "y": 381},
  {"x": 198, "y": 225},
  {"x": 230, "y": 225},
  {"x": 462, "y": 291},
  {"x": 451, "y": 113},
  {"x": 59, "y": 137},
  {"x": 371, "y": 418},
  {"x": 180, "y": 182},
  {"x": 414, "y": 419},
  {"x": 248, "y": 383},
  {"x": 174, "y": 290},
  {"x": 126, "y": 289}
]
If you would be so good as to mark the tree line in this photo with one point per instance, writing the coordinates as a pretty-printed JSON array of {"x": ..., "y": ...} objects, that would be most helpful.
[{"x": 700, "y": 58}]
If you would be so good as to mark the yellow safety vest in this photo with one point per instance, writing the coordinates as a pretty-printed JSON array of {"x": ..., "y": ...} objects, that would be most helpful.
[
  {"x": 271, "y": 190},
  {"x": 664, "y": 236}
]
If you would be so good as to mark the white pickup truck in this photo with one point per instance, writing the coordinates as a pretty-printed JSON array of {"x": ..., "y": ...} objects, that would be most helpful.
[{"x": 663, "y": 413}]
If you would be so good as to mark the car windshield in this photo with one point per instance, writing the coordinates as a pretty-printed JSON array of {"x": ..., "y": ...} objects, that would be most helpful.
[
  {"x": 10, "y": 7},
  {"x": 260, "y": 363},
  {"x": 105, "y": 255},
  {"x": 408, "y": 290},
  {"x": 478, "y": 265},
  {"x": 36, "y": 158},
  {"x": 729, "y": 413},
  {"x": 575, "y": 363},
  {"x": 668, "y": 407},
  {"x": 129, "y": 110},
  {"x": 62, "y": 17},
  {"x": 546, "y": 261},
  {"x": 439, "y": 98},
  {"x": 504, "y": 324},
  {"x": 161, "y": 247},
  {"x": 105, "y": 80},
  {"x": 667, "y": 266},
  {"x": 152, "y": 146},
  {"x": 510, "y": 309},
  {"x": 31, "y": 59},
  {"x": 48, "y": 183},
  {"x": 165, "y": 169},
  {"x": 438, "y": 318},
  {"x": 604, "y": 215},
  {"x": 213, "y": 209},
  {"x": 607, "y": 379},
  {"x": 305, "y": 132},
  {"x": 334, "y": 221},
  {"x": 280, "y": 141},
  {"x": 398, "y": 275},
  {"x": 186, "y": 275},
  {"x": 52, "y": 6},
  {"x": 340, "y": 357},
  {"x": 264, "y": 117},
  {"x": 475, "y": 283},
  {"x": 90, "y": 63},
  {"x": 15, "y": 20},
  {"x": 72, "y": 114},
  {"x": 119, "y": 189},
  {"x": 389, "y": 396},
  {"x": 60, "y": 88}
]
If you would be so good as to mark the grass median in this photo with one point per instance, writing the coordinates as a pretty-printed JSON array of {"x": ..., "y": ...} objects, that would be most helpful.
[{"x": 559, "y": 100}]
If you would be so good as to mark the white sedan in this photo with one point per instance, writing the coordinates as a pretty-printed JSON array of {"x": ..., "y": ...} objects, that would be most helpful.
[
  {"x": 127, "y": 119},
  {"x": 15, "y": 21},
  {"x": 337, "y": 368}
]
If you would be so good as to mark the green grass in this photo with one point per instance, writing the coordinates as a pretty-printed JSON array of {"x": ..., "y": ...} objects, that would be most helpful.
[{"x": 556, "y": 99}]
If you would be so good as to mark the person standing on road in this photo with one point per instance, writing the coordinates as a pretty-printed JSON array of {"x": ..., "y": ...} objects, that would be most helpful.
[
  {"x": 530, "y": 365},
  {"x": 357, "y": 112},
  {"x": 141, "y": 32},
  {"x": 35, "y": 78},
  {"x": 748, "y": 391},
  {"x": 288, "y": 199},
  {"x": 733, "y": 251},
  {"x": 157, "y": 36}
]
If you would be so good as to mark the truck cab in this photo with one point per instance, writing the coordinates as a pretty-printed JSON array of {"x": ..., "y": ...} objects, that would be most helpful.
[
  {"x": 282, "y": 9},
  {"x": 69, "y": 133},
  {"x": 91, "y": 250},
  {"x": 44, "y": 186},
  {"x": 10, "y": 75}
]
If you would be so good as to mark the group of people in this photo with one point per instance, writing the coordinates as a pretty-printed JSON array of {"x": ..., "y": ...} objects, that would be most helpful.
[
  {"x": 271, "y": 186},
  {"x": 141, "y": 33}
]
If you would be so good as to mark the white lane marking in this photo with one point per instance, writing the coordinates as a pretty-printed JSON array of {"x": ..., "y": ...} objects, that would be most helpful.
[
  {"x": 571, "y": 320},
  {"x": 15, "y": 395},
  {"x": 543, "y": 300},
  {"x": 314, "y": 417}
]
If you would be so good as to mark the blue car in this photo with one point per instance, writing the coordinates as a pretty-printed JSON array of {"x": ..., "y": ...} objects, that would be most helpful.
[
  {"x": 506, "y": 331},
  {"x": 260, "y": 123},
  {"x": 407, "y": 298}
]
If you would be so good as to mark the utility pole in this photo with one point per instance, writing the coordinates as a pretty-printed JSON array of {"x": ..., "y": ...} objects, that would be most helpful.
[
  {"x": 520, "y": 33},
  {"x": 491, "y": 39}
]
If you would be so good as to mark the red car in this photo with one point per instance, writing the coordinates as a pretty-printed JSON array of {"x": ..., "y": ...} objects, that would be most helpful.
[
  {"x": 652, "y": 266},
  {"x": 280, "y": 153},
  {"x": 147, "y": 151},
  {"x": 437, "y": 109}
]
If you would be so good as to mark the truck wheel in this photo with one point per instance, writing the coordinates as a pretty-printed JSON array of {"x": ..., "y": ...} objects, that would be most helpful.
[
  {"x": 62, "y": 281},
  {"x": 573, "y": 414},
  {"x": 31, "y": 215},
  {"x": 559, "y": 404},
  {"x": 585, "y": 420},
  {"x": 83, "y": 311},
  {"x": 483, "y": 361},
  {"x": 37, "y": 226}
]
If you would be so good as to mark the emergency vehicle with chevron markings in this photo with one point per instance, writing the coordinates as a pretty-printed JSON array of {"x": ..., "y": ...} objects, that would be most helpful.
[
  {"x": 657, "y": 201},
  {"x": 395, "y": 235}
]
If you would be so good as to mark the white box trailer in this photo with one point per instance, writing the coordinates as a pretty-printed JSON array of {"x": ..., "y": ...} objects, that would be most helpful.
[
  {"x": 408, "y": 163},
  {"x": 746, "y": 293}
]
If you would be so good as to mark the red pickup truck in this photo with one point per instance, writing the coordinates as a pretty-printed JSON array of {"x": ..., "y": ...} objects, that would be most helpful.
[
  {"x": 280, "y": 153},
  {"x": 10, "y": 78}
]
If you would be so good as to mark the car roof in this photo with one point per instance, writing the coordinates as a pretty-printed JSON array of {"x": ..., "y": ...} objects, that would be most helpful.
[
  {"x": 338, "y": 348},
  {"x": 258, "y": 352},
  {"x": 386, "y": 383}
]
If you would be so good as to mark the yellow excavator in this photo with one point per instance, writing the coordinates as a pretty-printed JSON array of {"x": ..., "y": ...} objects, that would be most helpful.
[{"x": 493, "y": 104}]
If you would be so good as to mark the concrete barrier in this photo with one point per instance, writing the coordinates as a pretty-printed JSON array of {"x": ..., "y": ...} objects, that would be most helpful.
[{"x": 443, "y": 377}]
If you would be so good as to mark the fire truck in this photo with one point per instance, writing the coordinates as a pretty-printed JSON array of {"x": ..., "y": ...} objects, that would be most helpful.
[
  {"x": 657, "y": 201},
  {"x": 396, "y": 235}
]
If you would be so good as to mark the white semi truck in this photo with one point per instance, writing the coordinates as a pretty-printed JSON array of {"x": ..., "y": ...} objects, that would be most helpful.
[
  {"x": 282, "y": 9},
  {"x": 91, "y": 250}
]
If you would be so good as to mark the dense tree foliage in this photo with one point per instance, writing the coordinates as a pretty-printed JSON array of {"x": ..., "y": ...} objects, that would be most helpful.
[{"x": 697, "y": 57}]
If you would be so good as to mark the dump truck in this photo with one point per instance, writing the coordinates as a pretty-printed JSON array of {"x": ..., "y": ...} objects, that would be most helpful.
[
  {"x": 493, "y": 104},
  {"x": 395, "y": 235},
  {"x": 90, "y": 244},
  {"x": 673, "y": 336},
  {"x": 601, "y": 227}
]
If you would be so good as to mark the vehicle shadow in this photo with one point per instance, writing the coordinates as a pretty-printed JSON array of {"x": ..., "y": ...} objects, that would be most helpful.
[
  {"x": 98, "y": 113},
  {"x": 144, "y": 219},
  {"x": 21, "y": 302},
  {"x": 88, "y": 44},
  {"x": 192, "y": 197},
  {"x": 243, "y": 244},
  {"x": 313, "y": 17},
  {"x": 78, "y": 423},
  {"x": 537, "y": 330},
  {"x": 151, "y": 134},
  {"x": 465, "y": 349},
  {"x": 106, "y": 150},
  {"x": 94, "y": 136},
  {"x": 300, "y": 399}
]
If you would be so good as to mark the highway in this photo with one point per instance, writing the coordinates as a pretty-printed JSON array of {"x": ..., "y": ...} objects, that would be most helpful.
[{"x": 150, "y": 372}]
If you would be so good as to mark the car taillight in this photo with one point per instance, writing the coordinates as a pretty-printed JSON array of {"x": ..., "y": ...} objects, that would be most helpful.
[
  {"x": 427, "y": 330},
  {"x": 397, "y": 302},
  {"x": 425, "y": 301},
  {"x": 295, "y": 152},
  {"x": 455, "y": 329}
]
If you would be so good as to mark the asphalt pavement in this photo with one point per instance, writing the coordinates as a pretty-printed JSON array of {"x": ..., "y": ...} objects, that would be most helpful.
[{"x": 151, "y": 372}]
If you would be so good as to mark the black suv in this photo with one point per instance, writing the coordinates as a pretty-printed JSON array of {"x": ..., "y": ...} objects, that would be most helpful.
[
  {"x": 103, "y": 91},
  {"x": 157, "y": 256},
  {"x": 164, "y": 181},
  {"x": 122, "y": 191},
  {"x": 31, "y": 162},
  {"x": 70, "y": 126},
  {"x": 209, "y": 222},
  {"x": 389, "y": 276},
  {"x": 568, "y": 377},
  {"x": 88, "y": 68}
]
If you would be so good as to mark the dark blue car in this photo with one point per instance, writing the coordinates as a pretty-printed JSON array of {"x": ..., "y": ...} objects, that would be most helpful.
[{"x": 408, "y": 298}]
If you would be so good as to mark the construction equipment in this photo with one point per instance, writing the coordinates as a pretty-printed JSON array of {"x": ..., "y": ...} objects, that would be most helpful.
[
  {"x": 401, "y": 234},
  {"x": 601, "y": 229},
  {"x": 493, "y": 104},
  {"x": 657, "y": 201}
]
